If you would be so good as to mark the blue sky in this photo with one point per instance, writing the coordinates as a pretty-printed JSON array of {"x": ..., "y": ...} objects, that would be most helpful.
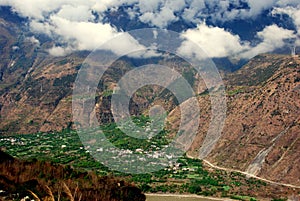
[{"x": 74, "y": 22}]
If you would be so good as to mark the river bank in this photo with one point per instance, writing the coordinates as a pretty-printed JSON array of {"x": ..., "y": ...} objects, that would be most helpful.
[{"x": 175, "y": 197}]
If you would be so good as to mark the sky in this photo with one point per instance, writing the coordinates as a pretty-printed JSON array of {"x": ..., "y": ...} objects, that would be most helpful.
[{"x": 74, "y": 22}]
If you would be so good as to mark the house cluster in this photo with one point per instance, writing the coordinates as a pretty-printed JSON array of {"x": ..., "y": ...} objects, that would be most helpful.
[{"x": 12, "y": 141}]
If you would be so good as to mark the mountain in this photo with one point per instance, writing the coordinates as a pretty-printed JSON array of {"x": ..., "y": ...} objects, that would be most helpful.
[{"x": 262, "y": 124}]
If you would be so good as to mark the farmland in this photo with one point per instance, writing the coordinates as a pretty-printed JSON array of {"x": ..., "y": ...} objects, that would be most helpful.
[{"x": 183, "y": 176}]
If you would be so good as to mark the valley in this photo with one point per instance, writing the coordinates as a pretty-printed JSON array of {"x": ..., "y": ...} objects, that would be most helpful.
[
  {"x": 186, "y": 176},
  {"x": 43, "y": 146},
  {"x": 215, "y": 176}
]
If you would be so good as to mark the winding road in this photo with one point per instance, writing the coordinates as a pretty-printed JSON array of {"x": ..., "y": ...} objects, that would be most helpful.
[{"x": 245, "y": 173}]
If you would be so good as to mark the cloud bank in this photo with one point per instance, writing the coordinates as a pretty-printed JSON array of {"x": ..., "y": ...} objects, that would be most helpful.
[
  {"x": 79, "y": 25},
  {"x": 294, "y": 13},
  {"x": 217, "y": 42}
]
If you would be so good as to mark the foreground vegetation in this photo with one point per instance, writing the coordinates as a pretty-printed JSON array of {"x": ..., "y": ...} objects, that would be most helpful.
[{"x": 47, "y": 181}]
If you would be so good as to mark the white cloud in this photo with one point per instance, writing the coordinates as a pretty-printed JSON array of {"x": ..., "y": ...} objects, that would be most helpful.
[
  {"x": 149, "y": 6},
  {"x": 103, "y": 5},
  {"x": 78, "y": 35},
  {"x": 37, "y": 9},
  {"x": 72, "y": 23},
  {"x": 90, "y": 36},
  {"x": 150, "y": 10},
  {"x": 294, "y": 13},
  {"x": 87, "y": 35},
  {"x": 215, "y": 41},
  {"x": 191, "y": 12},
  {"x": 225, "y": 10},
  {"x": 256, "y": 7},
  {"x": 123, "y": 44},
  {"x": 175, "y": 5},
  {"x": 159, "y": 13},
  {"x": 288, "y": 3},
  {"x": 33, "y": 40},
  {"x": 83, "y": 36},
  {"x": 76, "y": 13},
  {"x": 57, "y": 51},
  {"x": 41, "y": 27},
  {"x": 272, "y": 38},
  {"x": 160, "y": 19}
]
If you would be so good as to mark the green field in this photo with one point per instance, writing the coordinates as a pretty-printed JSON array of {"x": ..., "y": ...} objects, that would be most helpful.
[{"x": 184, "y": 176}]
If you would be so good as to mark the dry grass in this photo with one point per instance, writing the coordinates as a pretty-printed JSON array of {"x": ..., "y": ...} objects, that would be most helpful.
[
  {"x": 50, "y": 197},
  {"x": 46, "y": 182},
  {"x": 34, "y": 195}
]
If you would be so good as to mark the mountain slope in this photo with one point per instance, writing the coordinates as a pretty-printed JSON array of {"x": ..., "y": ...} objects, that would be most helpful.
[{"x": 261, "y": 133}]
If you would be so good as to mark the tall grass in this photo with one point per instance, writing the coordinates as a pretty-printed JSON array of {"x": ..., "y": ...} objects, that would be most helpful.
[{"x": 76, "y": 196}]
